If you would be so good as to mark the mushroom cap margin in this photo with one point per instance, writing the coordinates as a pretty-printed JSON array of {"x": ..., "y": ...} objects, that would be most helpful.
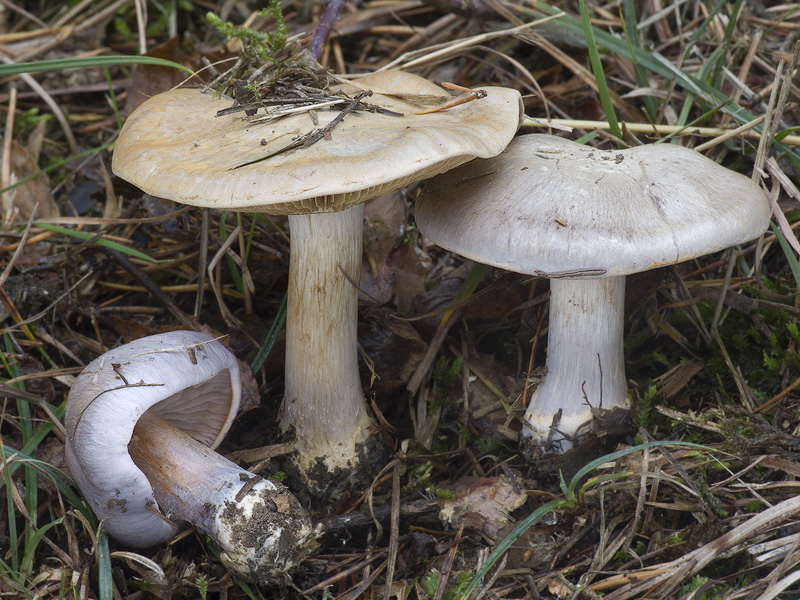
[{"x": 552, "y": 207}]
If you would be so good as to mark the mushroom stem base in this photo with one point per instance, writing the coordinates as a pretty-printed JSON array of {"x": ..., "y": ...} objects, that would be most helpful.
[
  {"x": 585, "y": 360},
  {"x": 261, "y": 529},
  {"x": 323, "y": 400}
]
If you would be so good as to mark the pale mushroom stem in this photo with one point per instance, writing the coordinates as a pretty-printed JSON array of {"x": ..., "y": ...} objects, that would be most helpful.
[
  {"x": 323, "y": 399},
  {"x": 259, "y": 526},
  {"x": 585, "y": 361}
]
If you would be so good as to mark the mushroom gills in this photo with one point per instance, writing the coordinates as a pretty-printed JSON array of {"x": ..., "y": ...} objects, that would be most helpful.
[{"x": 258, "y": 525}]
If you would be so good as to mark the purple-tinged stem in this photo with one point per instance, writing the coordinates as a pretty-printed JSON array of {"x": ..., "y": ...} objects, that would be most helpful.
[{"x": 326, "y": 23}]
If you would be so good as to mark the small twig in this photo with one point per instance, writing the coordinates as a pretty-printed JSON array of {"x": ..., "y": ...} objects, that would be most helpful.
[
  {"x": 671, "y": 575},
  {"x": 30, "y": 16},
  {"x": 463, "y": 98},
  {"x": 151, "y": 287},
  {"x": 248, "y": 485},
  {"x": 345, "y": 573},
  {"x": 21, "y": 244},
  {"x": 326, "y": 23},
  {"x": 311, "y": 138},
  {"x": 745, "y": 131},
  {"x": 447, "y": 565},
  {"x": 280, "y": 113},
  {"x": 394, "y": 532},
  {"x": 216, "y": 286},
  {"x": 202, "y": 260},
  {"x": 311, "y": 100}
]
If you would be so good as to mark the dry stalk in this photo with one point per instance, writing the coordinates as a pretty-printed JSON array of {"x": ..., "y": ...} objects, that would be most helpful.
[{"x": 666, "y": 578}]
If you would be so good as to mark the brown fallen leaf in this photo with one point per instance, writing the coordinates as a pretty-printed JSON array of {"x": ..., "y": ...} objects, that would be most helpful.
[
  {"x": 484, "y": 504},
  {"x": 282, "y": 504},
  {"x": 394, "y": 348},
  {"x": 24, "y": 198},
  {"x": 149, "y": 80},
  {"x": 385, "y": 219}
]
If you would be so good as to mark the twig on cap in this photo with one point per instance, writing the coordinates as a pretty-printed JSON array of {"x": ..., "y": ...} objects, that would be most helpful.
[{"x": 314, "y": 136}]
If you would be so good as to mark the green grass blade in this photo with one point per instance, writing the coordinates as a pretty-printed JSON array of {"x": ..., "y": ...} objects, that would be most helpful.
[
  {"x": 591, "y": 466},
  {"x": 791, "y": 258},
  {"x": 25, "y": 420},
  {"x": 83, "y": 62},
  {"x": 784, "y": 132},
  {"x": 727, "y": 36},
  {"x": 467, "y": 288},
  {"x": 238, "y": 280},
  {"x": 105, "y": 582},
  {"x": 11, "y": 513},
  {"x": 595, "y": 481},
  {"x": 85, "y": 236},
  {"x": 113, "y": 97},
  {"x": 630, "y": 28},
  {"x": 61, "y": 480},
  {"x": 272, "y": 336},
  {"x": 599, "y": 74},
  {"x": 536, "y": 515},
  {"x": 660, "y": 66},
  {"x": 33, "y": 543},
  {"x": 470, "y": 283},
  {"x": 509, "y": 540},
  {"x": 689, "y": 125},
  {"x": 10, "y": 580}
]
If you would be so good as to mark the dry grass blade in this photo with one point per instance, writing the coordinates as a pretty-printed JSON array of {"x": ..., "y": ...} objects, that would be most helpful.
[
  {"x": 719, "y": 134},
  {"x": 667, "y": 577}
]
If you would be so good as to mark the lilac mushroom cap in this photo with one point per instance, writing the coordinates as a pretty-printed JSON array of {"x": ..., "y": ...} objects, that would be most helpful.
[
  {"x": 142, "y": 423},
  {"x": 173, "y": 146},
  {"x": 586, "y": 218}
]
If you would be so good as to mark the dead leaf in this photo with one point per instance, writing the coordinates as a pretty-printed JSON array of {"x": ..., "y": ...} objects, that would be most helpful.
[
  {"x": 282, "y": 504},
  {"x": 394, "y": 348},
  {"x": 25, "y": 197},
  {"x": 484, "y": 504},
  {"x": 385, "y": 219},
  {"x": 149, "y": 80}
]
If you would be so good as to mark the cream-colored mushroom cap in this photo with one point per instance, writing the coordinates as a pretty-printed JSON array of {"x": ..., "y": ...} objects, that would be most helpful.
[
  {"x": 548, "y": 206},
  {"x": 174, "y": 146}
]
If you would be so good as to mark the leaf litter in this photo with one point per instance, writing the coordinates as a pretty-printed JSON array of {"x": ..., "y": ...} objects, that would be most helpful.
[{"x": 678, "y": 523}]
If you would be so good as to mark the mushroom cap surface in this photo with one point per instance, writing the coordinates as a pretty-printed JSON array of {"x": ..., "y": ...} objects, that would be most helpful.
[
  {"x": 187, "y": 378},
  {"x": 173, "y": 146},
  {"x": 555, "y": 208}
]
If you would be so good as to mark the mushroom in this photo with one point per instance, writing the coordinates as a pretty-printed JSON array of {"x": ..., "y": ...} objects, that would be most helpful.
[
  {"x": 174, "y": 147},
  {"x": 142, "y": 423},
  {"x": 586, "y": 218}
]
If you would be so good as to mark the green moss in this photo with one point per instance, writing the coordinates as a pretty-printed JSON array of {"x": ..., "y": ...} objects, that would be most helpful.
[{"x": 256, "y": 44}]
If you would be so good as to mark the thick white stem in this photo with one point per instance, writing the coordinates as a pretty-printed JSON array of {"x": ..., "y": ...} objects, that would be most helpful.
[
  {"x": 585, "y": 360},
  {"x": 260, "y": 528},
  {"x": 323, "y": 399}
]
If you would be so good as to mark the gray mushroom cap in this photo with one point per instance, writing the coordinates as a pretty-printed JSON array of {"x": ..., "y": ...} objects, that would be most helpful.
[
  {"x": 552, "y": 207},
  {"x": 187, "y": 378}
]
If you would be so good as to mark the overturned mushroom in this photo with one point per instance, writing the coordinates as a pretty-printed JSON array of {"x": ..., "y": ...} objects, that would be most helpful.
[
  {"x": 142, "y": 423},
  {"x": 586, "y": 218},
  {"x": 174, "y": 146}
]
